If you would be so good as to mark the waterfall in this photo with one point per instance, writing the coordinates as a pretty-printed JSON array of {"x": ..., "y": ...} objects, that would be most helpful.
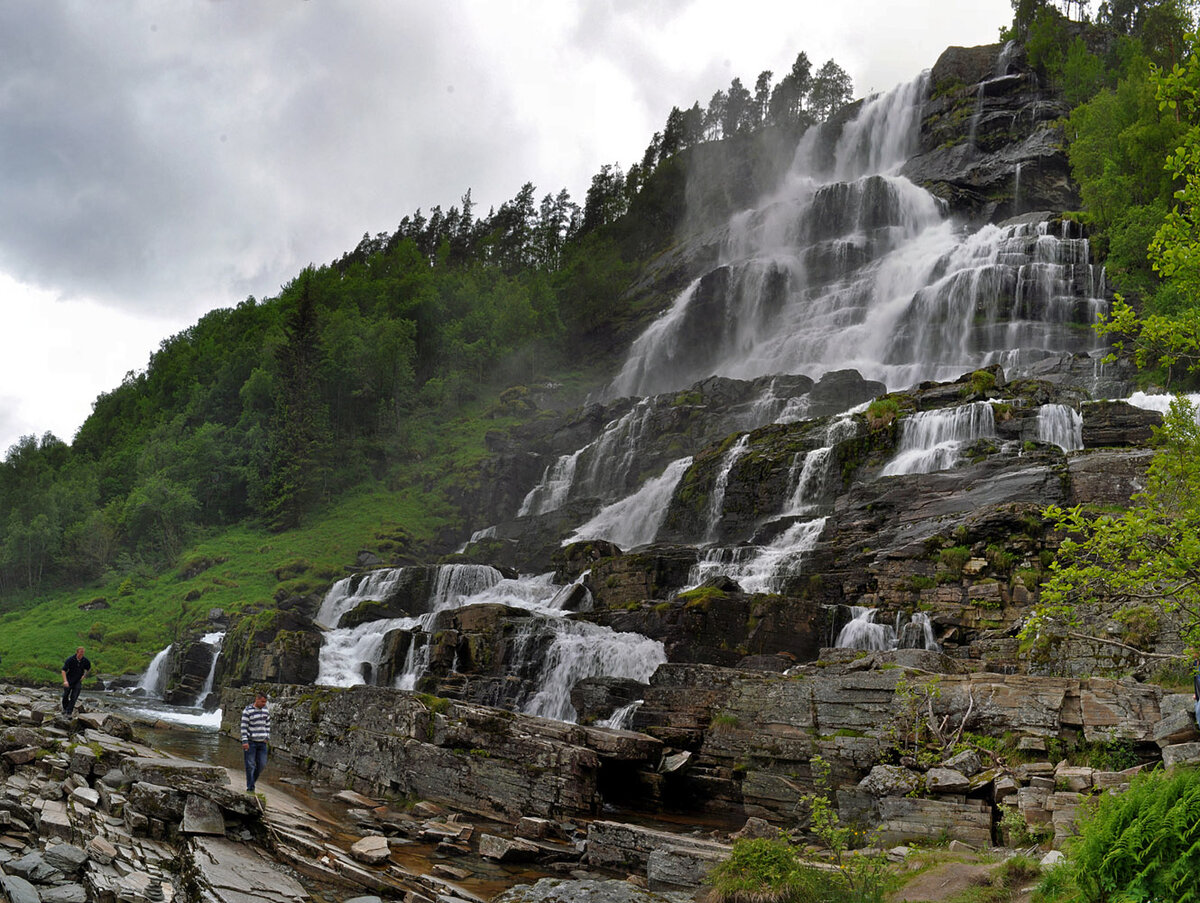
[
  {"x": 975, "y": 117},
  {"x": 210, "y": 639},
  {"x": 716, "y": 501},
  {"x": 552, "y": 492},
  {"x": 762, "y": 569},
  {"x": 856, "y": 266},
  {"x": 930, "y": 440},
  {"x": 581, "y": 649},
  {"x": 1016, "y": 188},
  {"x": 1060, "y": 425},
  {"x": 622, "y": 718},
  {"x": 154, "y": 681},
  {"x": 863, "y": 632},
  {"x": 635, "y": 520}
]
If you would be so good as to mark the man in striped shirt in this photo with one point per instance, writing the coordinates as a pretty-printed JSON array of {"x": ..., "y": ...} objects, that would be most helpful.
[{"x": 256, "y": 731}]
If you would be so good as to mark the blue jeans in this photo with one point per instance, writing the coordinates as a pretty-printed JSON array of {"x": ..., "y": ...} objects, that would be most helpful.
[
  {"x": 256, "y": 761},
  {"x": 1198, "y": 713}
]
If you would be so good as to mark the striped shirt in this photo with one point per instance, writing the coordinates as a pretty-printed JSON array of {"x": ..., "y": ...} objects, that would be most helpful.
[{"x": 256, "y": 724}]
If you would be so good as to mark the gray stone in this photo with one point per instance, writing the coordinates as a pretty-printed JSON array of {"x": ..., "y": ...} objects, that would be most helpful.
[
  {"x": 506, "y": 849},
  {"x": 86, "y": 797},
  {"x": 168, "y": 771},
  {"x": 19, "y": 890},
  {"x": 946, "y": 780},
  {"x": 65, "y": 893},
  {"x": 890, "y": 780},
  {"x": 966, "y": 762},
  {"x": 372, "y": 849},
  {"x": 101, "y": 850},
  {"x": 34, "y": 867},
  {"x": 66, "y": 857},
  {"x": 677, "y": 868},
  {"x": 1181, "y": 754},
  {"x": 202, "y": 816},
  {"x": 231, "y": 873}
]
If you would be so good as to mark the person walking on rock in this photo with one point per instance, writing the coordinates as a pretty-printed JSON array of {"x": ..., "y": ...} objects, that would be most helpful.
[
  {"x": 256, "y": 731},
  {"x": 74, "y": 670}
]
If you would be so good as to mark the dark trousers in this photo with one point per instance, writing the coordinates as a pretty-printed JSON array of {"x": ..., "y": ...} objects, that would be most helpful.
[
  {"x": 256, "y": 761},
  {"x": 70, "y": 694}
]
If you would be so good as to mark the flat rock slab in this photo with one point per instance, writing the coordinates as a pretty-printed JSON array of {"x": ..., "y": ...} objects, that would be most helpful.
[
  {"x": 168, "y": 771},
  {"x": 231, "y": 873}
]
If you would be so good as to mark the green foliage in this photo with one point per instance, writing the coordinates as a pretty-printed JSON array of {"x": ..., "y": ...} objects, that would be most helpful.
[
  {"x": 954, "y": 559},
  {"x": 882, "y": 412},
  {"x": 862, "y": 874},
  {"x": 1143, "y": 844},
  {"x": 1148, "y": 555},
  {"x": 760, "y": 870}
]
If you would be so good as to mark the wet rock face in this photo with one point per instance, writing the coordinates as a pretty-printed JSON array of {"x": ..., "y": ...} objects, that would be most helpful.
[{"x": 990, "y": 145}]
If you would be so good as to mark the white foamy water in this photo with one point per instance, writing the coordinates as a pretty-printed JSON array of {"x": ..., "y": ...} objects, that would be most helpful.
[
  {"x": 761, "y": 569},
  {"x": 215, "y": 640},
  {"x": 635, "y": 520},
  {"x": 856, "y": 266},
  {"x": 716, "y": 499},
  {"x": 581, "y": 649},
  {"x": 931, "y": 440},
  {"x": 154, "y": 681},
  {"x": 1060, "y": 425},
  {"x": 862, "y": 631}
]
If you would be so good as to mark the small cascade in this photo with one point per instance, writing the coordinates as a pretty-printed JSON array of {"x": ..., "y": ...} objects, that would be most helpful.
[
  {"x": 554, "y": 489},
  {"x": 863, "y": 632},
  {"x": 931, "y": 440},
  {"x": 975, "y": 117},
  {"x": 762, "y": 569},
  {"x": 1060, "y": 425},
  {"x": 154, "y": 681},
  {"x": 1160, "y": 402},
  {"x": 351, "y": 655},
  {"x": 1017, "y": 189},
  {"x": 214, "y": 640},
  {"x": 810, "y": 487},
  {"x": 716, "y": 501},
  {"x": 581, "y": 649},
  {"x": 635, "y": 520},
  {"x": 622, "y": 718}
]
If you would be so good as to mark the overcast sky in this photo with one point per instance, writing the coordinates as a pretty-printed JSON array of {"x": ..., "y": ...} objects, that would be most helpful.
[{"x": 158, "y": 160}]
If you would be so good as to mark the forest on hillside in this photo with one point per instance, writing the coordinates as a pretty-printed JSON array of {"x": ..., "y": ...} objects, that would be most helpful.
[{"x": 265, "y": 412}]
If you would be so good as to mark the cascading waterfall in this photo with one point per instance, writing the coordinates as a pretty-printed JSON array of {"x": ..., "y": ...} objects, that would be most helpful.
[
  {"x": 154, "y": 681},
  {"x": 1060, "y": 425},
  {"x": 351, "y": 656},
  {"x": 762, "y": 569},
  {"x": 861, "y": 268},
  {"x": 863, "y": 632},
  {"x": 622, "y": 718},
  {"x": 848, "y": 265},
  {"x": 581, "y": 649},
  {"x": 716, "y": 501},
  {"x": 210, "y": 639},
  {"x": 635, "y": 520},
  {"x": 931, "y": 440}
]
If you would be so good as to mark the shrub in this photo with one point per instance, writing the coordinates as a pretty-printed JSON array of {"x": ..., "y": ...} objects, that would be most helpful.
[
  {"x": 760, "y": 870},
  {"x": 882, "y": 411},
  {"x": 1143, "y": 844}
]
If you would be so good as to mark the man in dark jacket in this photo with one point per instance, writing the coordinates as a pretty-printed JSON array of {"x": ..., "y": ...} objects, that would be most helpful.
[{"x": 74, "y": 670}]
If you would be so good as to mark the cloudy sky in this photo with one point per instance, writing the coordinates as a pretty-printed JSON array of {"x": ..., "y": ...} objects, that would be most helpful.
[{"x": 158, "y": 160}]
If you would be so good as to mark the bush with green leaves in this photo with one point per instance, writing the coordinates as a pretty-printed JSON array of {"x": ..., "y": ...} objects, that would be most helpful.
[{"x": 1140, "y": 845}]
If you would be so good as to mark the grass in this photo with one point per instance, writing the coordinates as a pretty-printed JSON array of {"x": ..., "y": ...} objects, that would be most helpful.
[{"x": 397, "y": 516}]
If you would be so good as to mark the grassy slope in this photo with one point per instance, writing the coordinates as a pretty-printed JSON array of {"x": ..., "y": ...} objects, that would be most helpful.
[{"x": 247, "y": 565}]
